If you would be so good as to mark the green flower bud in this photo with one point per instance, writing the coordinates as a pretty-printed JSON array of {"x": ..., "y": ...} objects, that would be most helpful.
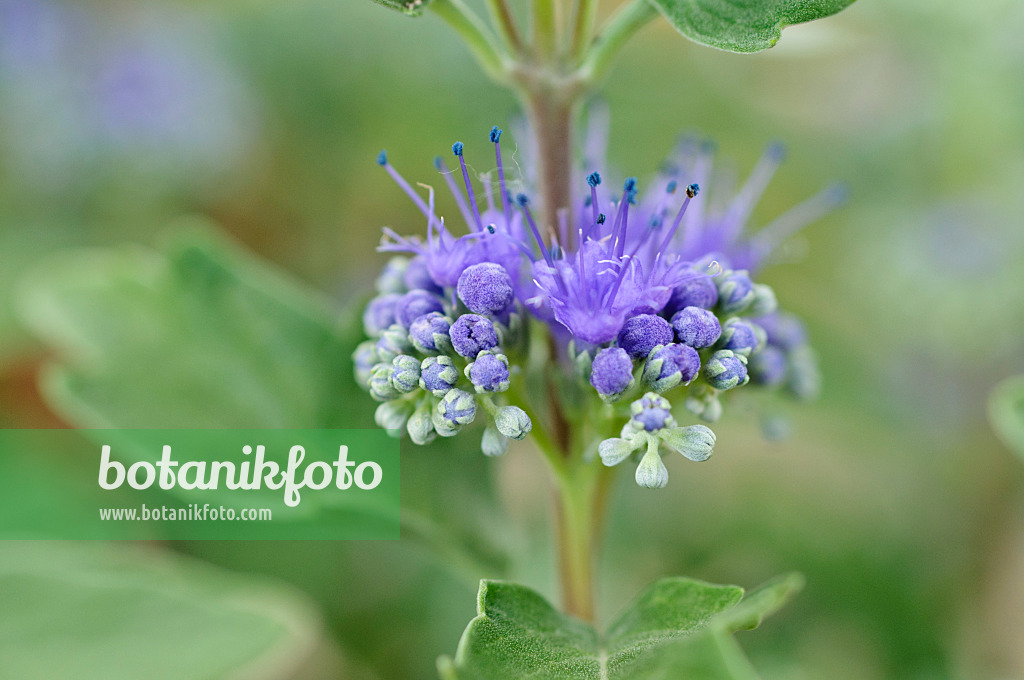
[
  {"x": 513, "y": 422},
  {"x": 493, "y": 443},
  {"x": 420, "y": 427},
  {"x": 695, "y": 442},
  {"x": 615, "y": 450},
  {"x": 406, "y": 374},
  {"x": 457, "y": 407},
  {"x": 764, "y": 302},
  {"x": 392, "y": 416},
  {"x": 726, "y": 369},
  {"x": 651, "y": 472},
  {"x": 438, "y": 375},
  {"x": 392, "y": 342},
  {"x": 363, "y": 360},
  {"x": 381, "y": 387}
]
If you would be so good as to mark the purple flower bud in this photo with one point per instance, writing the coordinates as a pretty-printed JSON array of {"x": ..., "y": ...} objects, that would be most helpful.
[
  {"x": 380, "y": 313},
  {"x": 642, "y": 333},
  {"x": 415, "y": 304},
  {"x": 392, "y": 342},
  {"x": 739, "y": 336},
  {"x": 363, "y": 361},
  {"x": 489, "y": 373},
  {"x": 438, "y": 375},
  {"x": 698, "y": 292},
  {"x": 696, "y": 327},
  {"x": 784, "y": 330},
  {"x": 768, "y": 367},
  {"x": 485, "y": 288},
  {"x": 726, "y": 370},
  {"x": 381, "y": 387},
  {"x": 735, "y": 291},
  {"x": 671, "y": 365},
  {"x": 405, "y": 375},
  {"x": 417, "y": 276},
  {"x": 457, "y": 407},
  {"x": 611, "y": 372},
  {"x": 472, "y": 334},
  {"x": 652, "y": 413},
  {"x": 429, "y": 333}
]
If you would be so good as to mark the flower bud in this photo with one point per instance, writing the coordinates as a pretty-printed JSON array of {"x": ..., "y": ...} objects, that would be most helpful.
[
  {"x": 651, "y": 472},
  {"x": 512, "y": 422},
  {"x": 696, "y": 442},
  {"x": 615, "y": 450},
  {"x": 472, "y": 334},
  {"x": 457, "y": 407},
  {"x": 392, "y": 342},
  {"x": 726, "y": 369},
  {"x": 489, "y": 373},
  {"x": 380, "y": 313},
  {"x": 671, "y": 365},
  {"x": 485, "y": 288},
  {"x": 764, "y": 301},
  {"x": 739, "y": 336},
  {"x": 390, "y": 279},
  {"x": 696, "y": 327},
  {"x": 642, "y": 333},
  {"x": 768, "y": 367},
  {"x": 735, "y": 291},
  {"x": 493, "y": 444},
  {"x": 381, "y": 388},
  {"x": 363, "y": 360},
  {"x": 406, "y": 374},
  {"x": 429, "y": 333},
  {"x": 784, "y": 330},
  {"x": 420, "y": 427},
  {"x": 651, "y": 413},
  {"x": 392, "y": 415},
  {"x": 438, "y": 375},
  {"x": 612, "y": 372},
  {"x": 700, "y": 292},
  {"x": 415, "y": 304}
]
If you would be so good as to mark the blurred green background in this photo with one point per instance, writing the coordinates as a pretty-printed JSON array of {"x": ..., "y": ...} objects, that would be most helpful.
[{"x": 892, "y": 494}]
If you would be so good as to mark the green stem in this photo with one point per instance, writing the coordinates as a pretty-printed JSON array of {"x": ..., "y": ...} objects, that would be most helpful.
[
  {"x": 503, "y": 20},
  {"x": 619, "y": 29},
  {"x": 545, "y": 28},
  {"x": 551, "y": 113},
  {"x": 583, "y": 28},
  {"x": 475, "y": 34}
]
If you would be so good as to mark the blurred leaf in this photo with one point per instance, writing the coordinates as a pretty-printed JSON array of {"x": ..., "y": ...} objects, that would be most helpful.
[
  {"x": 1006, "y": 412},
  {"x": 413, "y": 8},
  {"x": 96, "y": 611},
  {"x": 677, "y": 627},
  {"x": 742, "y": 25},
  {"x": 199, "y": 335}
]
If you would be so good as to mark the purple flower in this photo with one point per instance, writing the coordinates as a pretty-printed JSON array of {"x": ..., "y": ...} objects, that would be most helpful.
[
  {"x": 697, "y": 292},
  {"x": 415, "y": 304},
  {"x": 784, "y": 330},
  {"x": 642, "y": 333},
  {"x": 739, "y": 336},
  {"x": 429, "y": 333},
  {"x": 726, "y": 370},
  {"x": 696, "y": 327},
  {"x": 768, "y": 367},
  {"x": 438, "y": 375},
  {"x": 671, "y": 365},
  {"x": 735, "y": 292},
  {"x": 485, "y": 288},
  {"x": 417, "y": 275},
  {"x": 472, "y": 334},
  {"x": 652, "y": 413},
  {"x": 612, "y": 372}
]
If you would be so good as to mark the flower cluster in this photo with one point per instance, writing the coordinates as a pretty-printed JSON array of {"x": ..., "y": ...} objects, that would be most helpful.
[
  {"x": 639, "y": 293},
  {"x": 432, "y": 360}
]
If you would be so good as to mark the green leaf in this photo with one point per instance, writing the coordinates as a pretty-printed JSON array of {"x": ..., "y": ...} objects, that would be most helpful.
[
  {"x": 98, "y": 611},
  {"x": 1006, "y": 412},
  {"x": 677, "y": 627},
  {"x": 412, "y": 8},
  {"x": 742, "y": 25},
  {"x": 198, "y": 335}
]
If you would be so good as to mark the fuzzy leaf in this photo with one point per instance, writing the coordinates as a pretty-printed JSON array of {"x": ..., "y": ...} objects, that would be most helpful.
[
  {"x": 412, "y": 8},
  {"x": 677, "y": 627},
  {"x": 200, "y": 335},
  {"x": 742, "y": 25}
]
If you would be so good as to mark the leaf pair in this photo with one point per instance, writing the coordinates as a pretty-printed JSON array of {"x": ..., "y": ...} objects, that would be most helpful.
[{"x": 676, "y": 628}]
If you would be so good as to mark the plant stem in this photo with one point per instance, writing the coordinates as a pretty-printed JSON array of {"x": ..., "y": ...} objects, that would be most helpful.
[
  {"x": 505, "y": 23},
  {"x": 619, "y": 29},
  {"x": 551, "y": 113},
  {"x": 583, "y": 28},
  {"x": 545, "y": 28},
  {"x": 475, "y": 35}
]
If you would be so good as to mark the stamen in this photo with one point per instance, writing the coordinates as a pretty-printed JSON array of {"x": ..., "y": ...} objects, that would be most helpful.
[
  {"x": 743, "y": 205},
  {"x": 691, "y": 193},
  {"x": 457, "y": 150},
  {"x": 523, "y": 200},
  {"x": 505, "y": 196},
  {"x": 382, "y": 160},
  {"x": 456, "y": 192}
]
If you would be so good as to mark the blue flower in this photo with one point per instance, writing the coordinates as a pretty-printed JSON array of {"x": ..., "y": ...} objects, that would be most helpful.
[
  {"x": 489, "y": 373},
  {"x": 696, "y": 327},
  {"x": 642, "y": 333},
  {"x": 472, "y": 334},
  {"x": 612, "y": 372}
]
